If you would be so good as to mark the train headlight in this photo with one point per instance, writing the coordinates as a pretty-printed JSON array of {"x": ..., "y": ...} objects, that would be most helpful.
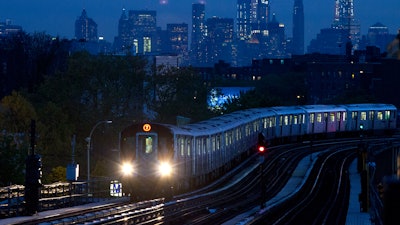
[
  {"x": 165, "y": 169},
  {"x": 127, "y": 169}
]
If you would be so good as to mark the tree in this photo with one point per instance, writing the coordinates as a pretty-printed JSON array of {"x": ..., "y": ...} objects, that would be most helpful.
[
  {"x": 12, "y": 160},
  {"x": 93, "y": 88},
  {"x": 176, "y": 92},
  {"x": 16, "y": 114}
]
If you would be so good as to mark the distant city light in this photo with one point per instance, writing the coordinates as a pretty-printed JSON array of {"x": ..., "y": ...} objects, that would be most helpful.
[
  {"x": 101, "y": 38},
  {"x": 163, "y": 2}
]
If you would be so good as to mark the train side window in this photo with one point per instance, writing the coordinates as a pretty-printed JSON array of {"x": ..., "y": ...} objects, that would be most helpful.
[
  {"x": 218, "y": 142},
  {"x": 280, "y": 120},
  {"x": 379, "y": 116},
  {"x": 387, "y": 115},
  {"x": 332, "y": 117},
  {"x": 354, "y": 115},
  {"x": 371, "y": 115},
  {"x": 295, "y": 119},
  {"x": 198, "y": 146},
  {"x": 344, "y": 117},
  {"x": 286, "y": 120},
  {"x": 338, "y": 116},
  {"x": 312, "y": 117},
  {"x": 363, "y": 116},
  {"x": 319, "y": 117},
  {"x": 182, "y": 146},
  {"x": 188, "y": 147}
]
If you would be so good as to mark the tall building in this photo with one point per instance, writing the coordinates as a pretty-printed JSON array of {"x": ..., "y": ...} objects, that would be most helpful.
[
  {"x": 252, "y": 16},
  {"x": 298, "y": 28},
  {"x": 85, "y": 28},
  {"x": 219, "y": 40},
  {"x": 199, "y": 30},
  {"x": 378, "y": 35},
  {"x": 137, "y": 32},
  {"x": 344, "y": 19},
  {"x": 177, "y": 39},
  {"x": 343, "y": 36}
]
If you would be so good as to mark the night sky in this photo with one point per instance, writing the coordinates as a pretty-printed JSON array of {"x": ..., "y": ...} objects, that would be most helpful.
[{"x": 57, "y": 17}]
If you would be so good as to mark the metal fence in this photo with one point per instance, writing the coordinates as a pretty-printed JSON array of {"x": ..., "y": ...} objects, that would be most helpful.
[{"x": 58, "y": 195}]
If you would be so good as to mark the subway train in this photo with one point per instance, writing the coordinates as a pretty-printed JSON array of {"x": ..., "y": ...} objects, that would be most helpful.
[{"x": 159, "y": 160}]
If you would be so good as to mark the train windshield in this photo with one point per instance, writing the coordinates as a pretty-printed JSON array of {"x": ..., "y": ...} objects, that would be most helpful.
[{"x": 146, "y": 144}]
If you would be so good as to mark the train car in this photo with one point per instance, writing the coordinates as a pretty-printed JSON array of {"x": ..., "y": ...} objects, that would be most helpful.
[
  {"x": 325, "y": 120},
  {"x": 372, "y": 118},
  {"x": 162, "y": 159},
  {"x": 291, "y": 122}
]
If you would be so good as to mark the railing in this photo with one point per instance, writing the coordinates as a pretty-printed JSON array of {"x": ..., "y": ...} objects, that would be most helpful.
[{"x": 54, "y": 196}]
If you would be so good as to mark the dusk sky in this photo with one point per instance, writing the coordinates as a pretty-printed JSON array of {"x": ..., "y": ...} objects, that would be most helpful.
[{"x": 58, "y": 17}]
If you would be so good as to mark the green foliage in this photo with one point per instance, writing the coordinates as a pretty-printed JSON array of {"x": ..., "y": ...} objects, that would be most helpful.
[
  {"x": 92, "y": 89},
  {"x": 176, "y": 92},
  {"x": 57, "y": 174},
  {"x": 12, "y": 160},
  {"x": 16, "y": 114}
]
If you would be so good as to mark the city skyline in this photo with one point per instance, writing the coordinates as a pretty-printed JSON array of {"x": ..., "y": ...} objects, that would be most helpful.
[{"x": 34, "y": 16}]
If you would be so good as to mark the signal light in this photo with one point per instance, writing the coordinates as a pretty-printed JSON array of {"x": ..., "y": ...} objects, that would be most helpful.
[{"x": 261, "y": 149}]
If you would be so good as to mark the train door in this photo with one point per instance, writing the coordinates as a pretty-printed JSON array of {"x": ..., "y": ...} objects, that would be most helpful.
[{"x": 147, "y": 152}]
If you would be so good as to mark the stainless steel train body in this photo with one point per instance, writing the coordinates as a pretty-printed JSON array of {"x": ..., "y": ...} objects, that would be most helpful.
[{"x": 165, "y": 159}]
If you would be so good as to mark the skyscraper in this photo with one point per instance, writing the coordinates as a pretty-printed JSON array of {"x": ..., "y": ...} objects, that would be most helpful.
[
  {"x": 344, "y": 19},
  {"x": 178, "y": 38},
  {"x": 137, "y": 32},
  {"x": 219, "y": 40},
  {"x": 298, "y": 28},
  {"x": 85, "y": 28},
  {"x": 252, "y": 16},
  {"x": 197, "y": 56},
  {"x": 344, "y": 34}
]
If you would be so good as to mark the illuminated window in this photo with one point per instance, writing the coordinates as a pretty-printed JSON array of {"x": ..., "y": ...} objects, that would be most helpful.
[
  {"x": 149, "y": 145},
  {"x": 363, "y": 116},
  {"x": 344, "y": 116},
  {"x": 387, "y": 115},
  {"x": 188, "y": 148},
  {"x": 146, "y": 44},
  {"x": 338, "y": 116},
  {"x": 354, "y": 115},
  {"x": 286, "y": 120},
  {"x": 379, "y": 116},
  {"x": 295, "y": 120},
  {"x": 371, "y": 115},
  {"x": 218, "y": 142},
  {"x": 353, "y": 76},
  {"x": 136, "y": 46},
  {"x": 332, "y": 117},
  {"x": 319, "y": 117},
  {"x": 182, "y": 146},
  {"x": 312, "y": 115},
  {"x": 247, "y": 130}
]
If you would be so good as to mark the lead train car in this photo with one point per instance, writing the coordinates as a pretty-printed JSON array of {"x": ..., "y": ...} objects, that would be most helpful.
[{"x": 161, "y": 159}]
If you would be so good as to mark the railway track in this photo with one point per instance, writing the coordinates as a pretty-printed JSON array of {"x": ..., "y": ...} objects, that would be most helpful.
[
  {"x": 233, "y": 195},
  {"x": 323, "y": 199}
]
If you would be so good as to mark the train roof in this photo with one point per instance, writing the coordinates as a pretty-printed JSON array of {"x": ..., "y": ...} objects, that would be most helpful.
[
  {"x": 288, "y": 110},
  {"x": 323, "y": 108},
  {"x": 369, "y": 106},
  {"x": 238, "y": 118},
  {"x": 227, "y": 121}
]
